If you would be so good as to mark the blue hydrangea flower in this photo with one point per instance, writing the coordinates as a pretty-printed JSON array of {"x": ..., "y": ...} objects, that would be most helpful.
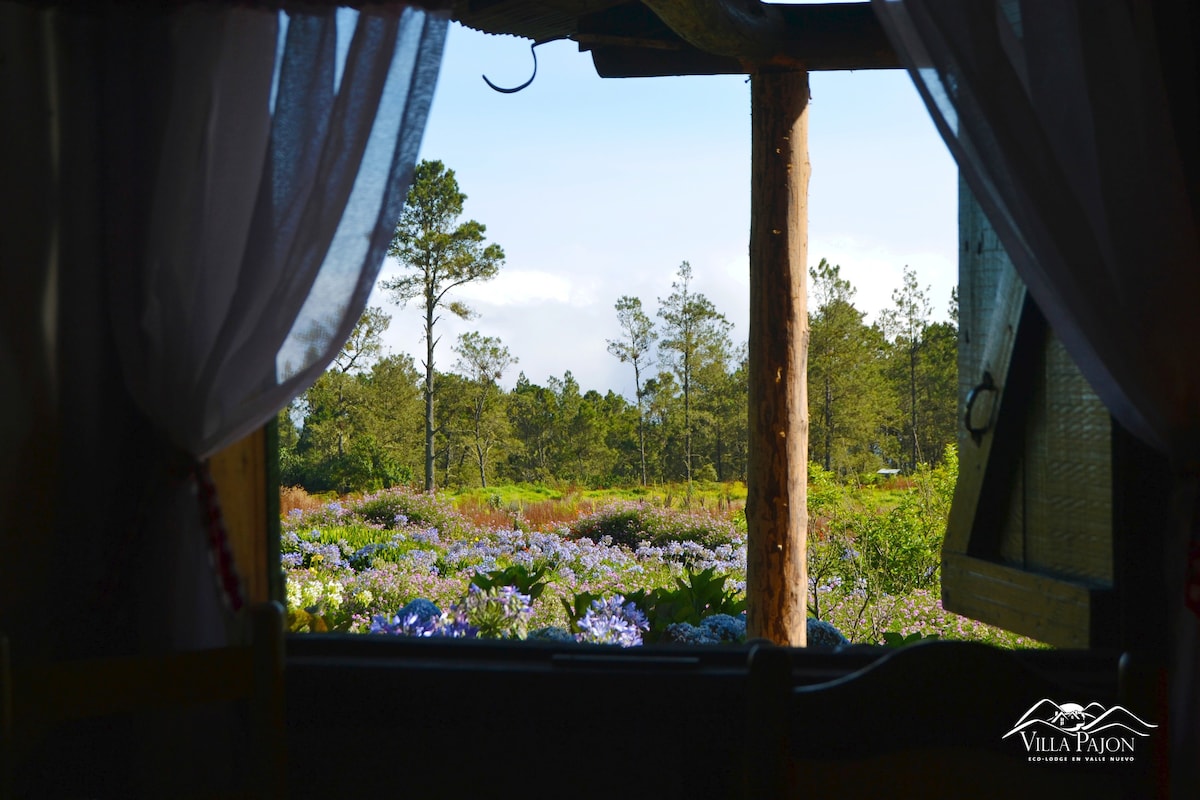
[
  {"x": 551, "y": 633},
  {"x": 687, "y": 633},
  {"x": 725, "y": 628},
  {"x": 823, "y": 634},
  {"x": 422, "y": 609}
]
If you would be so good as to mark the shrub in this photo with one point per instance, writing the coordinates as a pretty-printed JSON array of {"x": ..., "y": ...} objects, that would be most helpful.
[
  {"x": 403, "y": 508},
  {"x": 630, "y": 523}
]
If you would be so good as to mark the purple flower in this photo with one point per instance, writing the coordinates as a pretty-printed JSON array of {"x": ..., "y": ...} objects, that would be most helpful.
[
  {"x": 455, "y": 624},
  {"x": 452, "y": 624},
  {"x": 427, "y": 536},
  {"x": 613, "y": 621}
]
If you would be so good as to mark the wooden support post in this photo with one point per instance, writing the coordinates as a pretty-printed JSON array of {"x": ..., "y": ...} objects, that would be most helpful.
[{"x": 776, "y": 510}]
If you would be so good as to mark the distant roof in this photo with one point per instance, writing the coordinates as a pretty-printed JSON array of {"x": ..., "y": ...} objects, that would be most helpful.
[{"x": 887, "y": 472}]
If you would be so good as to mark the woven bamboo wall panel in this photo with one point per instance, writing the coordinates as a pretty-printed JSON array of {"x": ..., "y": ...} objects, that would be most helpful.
[
  {"x": 1059, "y": 517},
  {"x": 1068, "y": 475}
]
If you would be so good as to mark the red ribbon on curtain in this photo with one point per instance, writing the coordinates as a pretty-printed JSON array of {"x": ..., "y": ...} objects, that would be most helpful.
[{"x": 219, "y": 552}]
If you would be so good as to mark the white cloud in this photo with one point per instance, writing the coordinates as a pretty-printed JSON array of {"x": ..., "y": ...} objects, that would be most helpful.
[
  {"x": 518, "y": 287},
  {"x": 876, "y": 270}
]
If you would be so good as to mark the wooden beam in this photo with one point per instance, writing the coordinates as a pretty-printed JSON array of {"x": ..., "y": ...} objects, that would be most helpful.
[
  {"x": 776, "y": 513},
  {"x": 758, "y": 35},
  {"x": 613, "y": 61},
  {"x": 752, "y": 32}
]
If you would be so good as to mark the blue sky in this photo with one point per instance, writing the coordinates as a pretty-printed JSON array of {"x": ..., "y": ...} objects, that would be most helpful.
[{"x": 598, "y": 188}]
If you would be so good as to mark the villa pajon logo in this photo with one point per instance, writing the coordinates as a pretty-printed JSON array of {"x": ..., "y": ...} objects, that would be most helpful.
[{"x": 1070, "y": 732}]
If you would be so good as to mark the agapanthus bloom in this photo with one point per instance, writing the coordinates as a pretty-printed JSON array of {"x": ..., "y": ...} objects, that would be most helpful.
[
  {"x": 503, "y": 613},
  {"x": 423, "y": 619},
  {"x": 455, "y": 624},
  {"x": 613, "y": 621},
  {"x": 407, "y": 625}
]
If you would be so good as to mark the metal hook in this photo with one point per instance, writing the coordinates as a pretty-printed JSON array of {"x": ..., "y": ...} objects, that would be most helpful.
[
  {"x": 988, "y": 384},
  {"x": 526, "y": 83}
]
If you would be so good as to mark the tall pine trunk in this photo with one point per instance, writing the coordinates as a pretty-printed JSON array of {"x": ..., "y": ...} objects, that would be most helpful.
[
  {"x": 687, "y": 424},
  {"x": 912, "y": 385},
  {"x": 828, "y": 425},
  {"x": 637, "y": 385},
  {"x": 429, "y": 481}
]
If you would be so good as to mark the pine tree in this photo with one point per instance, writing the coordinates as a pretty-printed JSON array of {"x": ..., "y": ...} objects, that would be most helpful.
[
  {"x": 483, "y": 360},
  {"x": 634, "y": 347},
  {"x": 694, "y": 332},
  {"x": 440, "y": 254}
]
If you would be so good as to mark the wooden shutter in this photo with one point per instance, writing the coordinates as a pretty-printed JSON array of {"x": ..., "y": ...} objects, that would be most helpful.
[{"x": 1030, "y": 538}]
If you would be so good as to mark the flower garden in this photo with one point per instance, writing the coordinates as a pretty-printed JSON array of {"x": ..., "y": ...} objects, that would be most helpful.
[{"x": 405, "y": 563}]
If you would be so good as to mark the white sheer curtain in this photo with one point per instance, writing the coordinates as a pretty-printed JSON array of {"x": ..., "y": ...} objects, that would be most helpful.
[
  {"x": 220, "y": 185},
  {"x": 1057, "y": 114},
  {"x": 286, "y": 146}
]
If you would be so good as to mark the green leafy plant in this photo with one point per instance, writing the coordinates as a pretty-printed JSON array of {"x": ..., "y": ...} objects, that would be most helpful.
[
  {"x": 528, "y": 582},
  {"x": 577, "y": 607},
  {"x": 698, "y": 595}
]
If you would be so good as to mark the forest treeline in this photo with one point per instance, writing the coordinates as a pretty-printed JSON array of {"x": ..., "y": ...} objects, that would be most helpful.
[{"x": 881, "y": 394}]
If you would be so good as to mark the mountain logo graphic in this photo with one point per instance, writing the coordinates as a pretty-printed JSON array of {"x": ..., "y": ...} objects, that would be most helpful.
[
  {"x": 1048, "y": 716},
  {"x": 1052, "y": 731}
]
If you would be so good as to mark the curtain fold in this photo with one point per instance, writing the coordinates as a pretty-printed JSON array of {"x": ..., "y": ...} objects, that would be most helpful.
[
  {"x": 220, "y": 184},
  {"x": 281, "y": 164},
  {"x": 1058, "y": 115}
]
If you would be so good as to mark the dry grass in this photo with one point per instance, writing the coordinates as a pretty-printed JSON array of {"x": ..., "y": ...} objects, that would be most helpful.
[
  {"x": 898, "y": 483},
  {"x": 293, "y": 497},
  {"x": 549, "y": 514},
  {"x": 538, "y": 515}
]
